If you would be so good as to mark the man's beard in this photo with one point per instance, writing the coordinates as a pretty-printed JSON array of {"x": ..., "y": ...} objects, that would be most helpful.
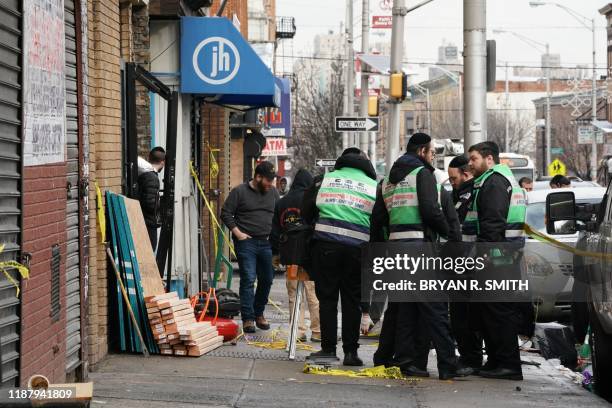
[{"x": 260, "y": 186}]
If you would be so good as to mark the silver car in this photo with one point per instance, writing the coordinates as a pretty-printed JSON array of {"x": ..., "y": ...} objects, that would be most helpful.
[{"x": 551, "y": 269}]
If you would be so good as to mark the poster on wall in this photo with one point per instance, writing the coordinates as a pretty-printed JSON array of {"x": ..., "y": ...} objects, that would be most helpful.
[{"x": 44, "y": 93}]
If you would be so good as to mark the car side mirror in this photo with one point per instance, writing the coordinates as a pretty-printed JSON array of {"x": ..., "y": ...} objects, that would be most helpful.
[{"x": 561, "y": 213}]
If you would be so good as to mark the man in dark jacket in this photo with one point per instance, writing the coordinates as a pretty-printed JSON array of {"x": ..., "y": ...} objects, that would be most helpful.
[
  {"x": 494, "y": 193},
  {"x": 288, "y": 211},
  {"x": 248, "y": 211},
  {"x": 407, "y": 325},
  {"x": 469, "y": 341},
  {"x": 462, "y": 180},
  {"x": 339, "y": 205},
  {"x": 148, "y": 190}
]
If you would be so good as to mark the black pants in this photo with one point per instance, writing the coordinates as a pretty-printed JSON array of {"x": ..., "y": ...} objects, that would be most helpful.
[
  {"x": 337, "y": 271},
  {"x": 406, "y": 334},
  {"x": 152, "y": 236},
  {"x": 469, "y": 341},
  {"x": 500, "y": 330}
]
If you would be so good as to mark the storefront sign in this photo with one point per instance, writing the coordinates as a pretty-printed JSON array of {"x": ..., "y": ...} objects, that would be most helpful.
[
  {"x": 216, "y": 60},
  {"x": 44, "y": 93},
  {"x": 275, "y": 146}
]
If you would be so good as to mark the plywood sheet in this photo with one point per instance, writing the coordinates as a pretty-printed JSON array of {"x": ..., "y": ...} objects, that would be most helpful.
[{"x": 149, "y": 273}]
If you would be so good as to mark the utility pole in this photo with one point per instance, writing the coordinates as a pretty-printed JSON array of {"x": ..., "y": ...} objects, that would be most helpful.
[
  {"x": 365, "y": 45},
  {"x": 548, "y": 115},
  {"x": 350, "y": 74},
  {"x": 507, "y": 139},
  {"x": 397, "y": 54},
  {"x": 594, "y": 112},
  {"x": 475, "y": 61}
]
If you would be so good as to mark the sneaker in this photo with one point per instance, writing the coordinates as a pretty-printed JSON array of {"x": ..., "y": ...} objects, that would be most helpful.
[
  {"x": 316, "y": 338},
  {"x": 302, "y": 338},
  {"x": 248, "y": 326},
  {"x": 262, "y": 323}
]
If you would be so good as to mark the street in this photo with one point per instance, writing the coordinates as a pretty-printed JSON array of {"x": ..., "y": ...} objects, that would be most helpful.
[{"x": 257, "y": 377}]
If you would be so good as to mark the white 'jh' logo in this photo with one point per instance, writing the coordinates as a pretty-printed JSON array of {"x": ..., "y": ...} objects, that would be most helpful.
[{"x": 218, "y": 59}]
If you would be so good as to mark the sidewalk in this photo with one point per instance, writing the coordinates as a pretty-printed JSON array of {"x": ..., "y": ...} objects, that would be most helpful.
[{"x": 247, "y": 376}]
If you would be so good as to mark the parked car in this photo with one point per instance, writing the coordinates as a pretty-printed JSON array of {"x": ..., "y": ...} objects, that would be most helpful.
[
  {"x": 596, "y": 237},
  {"x": 550, "y": 269},
  {"x": 543, "y": 183}
]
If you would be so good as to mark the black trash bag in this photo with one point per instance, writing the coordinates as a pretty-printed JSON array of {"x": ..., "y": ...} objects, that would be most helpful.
[{"x": 557, "y": 341}]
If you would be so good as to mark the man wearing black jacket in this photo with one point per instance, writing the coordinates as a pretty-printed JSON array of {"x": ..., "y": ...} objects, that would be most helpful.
[
  {"x": 288, "y": 211},
  {"x": 406, "y": 326},
  {"x": 339, "y": 205},
  {"x": 469, "y": 342},
  {"x": 148, "y": 190},
  {"x": 493, "y": 198}
]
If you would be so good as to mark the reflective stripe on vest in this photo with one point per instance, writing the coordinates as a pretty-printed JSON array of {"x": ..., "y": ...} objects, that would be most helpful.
[
  {"x": 402, "y": 203},
  {"x": 345, "y": 202},
  {"x": 515, "y": 219}
]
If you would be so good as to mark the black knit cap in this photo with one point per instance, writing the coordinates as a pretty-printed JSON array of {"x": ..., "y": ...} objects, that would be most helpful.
[
  {"x": 419, "y": 139},
  {"x": 351, "y": 150},
  {"x": 266, "y": 169},
  {"x": 458, "y": 162}
]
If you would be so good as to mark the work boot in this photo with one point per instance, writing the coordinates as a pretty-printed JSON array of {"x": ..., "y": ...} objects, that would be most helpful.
[
  {"x": 457, "y": 372},
  {"x": 412, "y": 371},
  {"x": 323, "y": 355},
  {"x": 502, "y": 374},
  {"x": 248, "y": 326},
  {"x": 262, "y": 323},
  {"x": 352, "y": 359}
]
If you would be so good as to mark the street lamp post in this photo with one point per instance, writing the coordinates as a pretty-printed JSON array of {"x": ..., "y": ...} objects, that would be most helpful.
[
  {"x": 539, "y": 47},
  {"x": 585, "y": 22}
]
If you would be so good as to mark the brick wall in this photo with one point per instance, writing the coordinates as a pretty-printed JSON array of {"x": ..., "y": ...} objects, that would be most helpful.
[
  {"x": 43, "y": 344},
  {"x": 141, "y": 47},
  {"x": 105, "y": 153}
]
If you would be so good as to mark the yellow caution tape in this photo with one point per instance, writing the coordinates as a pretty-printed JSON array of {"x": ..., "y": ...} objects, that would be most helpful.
[
  {"x": 214, "y": 166},
  {"x": 210, "y": 209},
  {"x": 391, "y": 373},
  {"x": 100, "y": 212},
  {"x": 551, "y": 241},
  {"x": 23, "y": 270},
  {"x": 275, "y": 343}
]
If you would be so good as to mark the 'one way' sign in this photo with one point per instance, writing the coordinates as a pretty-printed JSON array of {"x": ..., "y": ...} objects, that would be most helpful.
[{"x": 349, "y": 124}]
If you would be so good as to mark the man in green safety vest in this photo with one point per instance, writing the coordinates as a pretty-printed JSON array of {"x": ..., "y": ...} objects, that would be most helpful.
[
  {"x": 409, "y": 208},
  {"x": 496, "y": 214},
  {"x": 339, "y": 206}
]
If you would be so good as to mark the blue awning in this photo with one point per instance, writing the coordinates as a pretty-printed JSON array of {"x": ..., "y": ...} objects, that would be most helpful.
[{"x": 216, "y": 61}]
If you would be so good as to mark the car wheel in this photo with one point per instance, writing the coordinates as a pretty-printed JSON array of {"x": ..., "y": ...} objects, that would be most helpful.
[{"x": 601, "y": 346}]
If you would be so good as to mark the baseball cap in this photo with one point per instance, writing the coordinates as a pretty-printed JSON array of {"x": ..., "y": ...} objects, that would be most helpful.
[{"x": 266, "y": 169}]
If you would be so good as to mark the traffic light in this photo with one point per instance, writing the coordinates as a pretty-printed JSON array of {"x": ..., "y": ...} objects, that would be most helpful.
[
  {"x": 398, "y": 85},
  {"x": 373, "y": 106}
]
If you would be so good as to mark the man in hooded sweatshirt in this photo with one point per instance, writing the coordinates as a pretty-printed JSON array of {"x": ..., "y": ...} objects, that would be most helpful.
[
  {"x": 288, "y": 211},
  {"x": 339, "y": 206},
  {"x": 148, "y": 190}
]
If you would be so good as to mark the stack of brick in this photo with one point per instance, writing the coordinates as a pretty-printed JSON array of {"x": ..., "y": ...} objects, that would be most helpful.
[{"x": 175, "y": 328}]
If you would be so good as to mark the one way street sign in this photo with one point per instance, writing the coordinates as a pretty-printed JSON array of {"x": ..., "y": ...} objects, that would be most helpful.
[
  {"x": 325, "y": 162},
  {"x": 349, "y": 124}
]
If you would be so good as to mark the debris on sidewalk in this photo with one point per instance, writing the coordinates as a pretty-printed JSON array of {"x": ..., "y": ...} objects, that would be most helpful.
[{"x": 390, "y": 373}]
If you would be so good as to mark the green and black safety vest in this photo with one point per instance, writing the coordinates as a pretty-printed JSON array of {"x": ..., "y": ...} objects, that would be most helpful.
[
  {"x": 515, "y": 219},
  {"x": 345, "y": 202},
  {"x": 402, "y": 203}
]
